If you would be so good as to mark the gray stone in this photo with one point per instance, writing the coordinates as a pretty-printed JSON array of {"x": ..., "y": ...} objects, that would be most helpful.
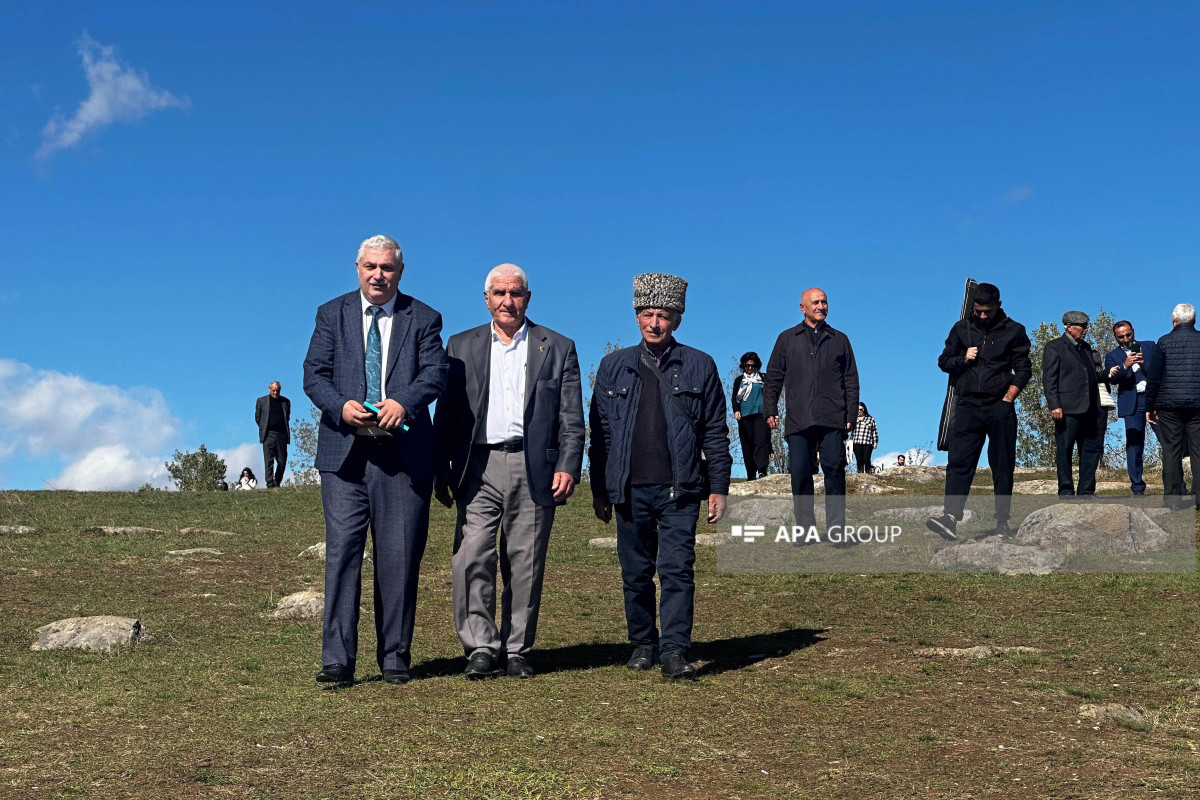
[
  {"x": 90, "y": 633},
  {"x": 207, "y": 531},
  {"x": 994, "y": 555},
  {"x": 196, "y": 551},
  {"x": 1035, "y": 487},
  {"x": 1113, "y": 711},
  {"x": 712, "y": 539},
  {"x": 769, "y": 511},
  {"x": 317, "y": 551},
  {"x": 980, "y": 651},
  {"x": 779, "y": 485},
  {"x": 916, "y": 474},
  {"x": 300, "y": 605},
  {"x": 1098, "y": 528},
  {"x": 910, "y": 514},
  {"x": 118, "y": 530},
  {"x": 17, "y": 530},
  {"x": 604, "y": 542}
]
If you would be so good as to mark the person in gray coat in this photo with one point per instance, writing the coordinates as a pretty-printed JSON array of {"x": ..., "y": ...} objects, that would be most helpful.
[
  {"x": 510, "y": 449},
  {"x": 1071, "y": 376}
]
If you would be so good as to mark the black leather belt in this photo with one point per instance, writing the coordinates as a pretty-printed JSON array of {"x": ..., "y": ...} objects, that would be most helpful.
[{"x": 511, "y": 446}]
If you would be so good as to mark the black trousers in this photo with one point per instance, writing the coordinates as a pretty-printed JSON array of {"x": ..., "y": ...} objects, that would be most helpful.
[
  {"x": 274, "y": 450},
  {"x": 862, "y": 456},
  {"x": 1178, "y": 433},
  {"x": 755, "y": 437},
  {"x": 803, "y": 449},
  {"x": 1086, "y": 432},
  {"x": 997, "y": 423}
]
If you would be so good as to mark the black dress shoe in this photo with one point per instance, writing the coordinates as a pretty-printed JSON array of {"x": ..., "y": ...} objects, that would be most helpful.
[
  {"x": 396, "y": 676},
  {"x": 676, "y": 667},
  {"x": 642, "y": 659},
  {"x": 518, "y": 667},
  {"x": 335, "y": 673},
  {"x": 481, "y": 666}
]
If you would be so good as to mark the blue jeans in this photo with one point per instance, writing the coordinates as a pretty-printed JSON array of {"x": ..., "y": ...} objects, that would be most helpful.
[
  {"x": 1135, "y": 446},
  {"x": 656, "y": 532},
  {"x": 803, "y": 448}
]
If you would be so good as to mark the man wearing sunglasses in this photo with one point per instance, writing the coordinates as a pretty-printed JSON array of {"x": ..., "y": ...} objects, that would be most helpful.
[
  {"x": 1126, "y": 364},
  {"x": 1071, "y": 377}
]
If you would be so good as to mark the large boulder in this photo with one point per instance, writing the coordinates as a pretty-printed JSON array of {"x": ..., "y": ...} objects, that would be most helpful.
[
  {"x": 300, "y": 605},
  {"x": 768, "y": 511},
  {"x": 101, "y": 633},
  {"x": 993, "y": 555},
  {"x": 771, "y": 486},
  {"x": 1099, "y": 528},
  {"x": 916, "y": 474}
]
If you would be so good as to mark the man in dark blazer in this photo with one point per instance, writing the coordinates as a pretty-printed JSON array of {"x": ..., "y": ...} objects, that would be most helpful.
[
  {"x": 1126, "y": 364},
  {"x": 510, "y": 449},
  {"x": 273, "y": 415},
  {"x": 380, "y": 347},
  {"x": 1071, "y": 379}
]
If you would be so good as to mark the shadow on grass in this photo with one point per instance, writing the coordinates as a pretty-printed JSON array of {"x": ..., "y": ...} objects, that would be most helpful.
[{"x": 721, "y": 655}]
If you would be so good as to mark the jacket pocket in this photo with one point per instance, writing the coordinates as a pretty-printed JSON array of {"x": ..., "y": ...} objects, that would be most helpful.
[{"x": 552, "y": 456}]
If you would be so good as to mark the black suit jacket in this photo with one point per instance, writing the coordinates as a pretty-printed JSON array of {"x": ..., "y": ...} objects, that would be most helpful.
[
  {"x": 553, "y": 420},
  {"x": 1069, "y": 383},
  {"x": 262, "y": 415}
]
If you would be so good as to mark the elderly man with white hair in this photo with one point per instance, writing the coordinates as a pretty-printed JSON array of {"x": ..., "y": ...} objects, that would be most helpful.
[
  {"x": 1173, "y": 400},
  {"x": 510, "y": 450}
]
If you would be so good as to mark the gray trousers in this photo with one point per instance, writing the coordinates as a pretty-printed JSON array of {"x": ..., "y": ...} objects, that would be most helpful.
[{"x": 494, "y": 498}]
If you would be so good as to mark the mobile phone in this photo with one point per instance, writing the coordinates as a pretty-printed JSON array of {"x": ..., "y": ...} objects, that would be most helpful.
[
  {"x": 1135, "y": 348},
  {"x": 371, "y": 408}
]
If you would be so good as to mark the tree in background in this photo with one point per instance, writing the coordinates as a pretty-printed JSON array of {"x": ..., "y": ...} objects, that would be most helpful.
[
  {"x": 200, "y": 471},
  {"x": 304, "y": 450},
  {"x": 609, "y": 347}
]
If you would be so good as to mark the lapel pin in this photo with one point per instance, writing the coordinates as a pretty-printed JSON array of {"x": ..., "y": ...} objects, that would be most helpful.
[{"x": 541, "y": 348}]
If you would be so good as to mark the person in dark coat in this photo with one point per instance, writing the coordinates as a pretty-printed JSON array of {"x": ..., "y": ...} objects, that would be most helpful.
[
  {"x": 1173, "y": 401},
  {"x": 273, "y": 415},
  {"x": 753, "y": 431},
  {"x": 814, "y": 364},
  {"x": 1071, "y": 378},
  {"x": 1126, "y": 364},
  {"x": 989, "y": 353}
]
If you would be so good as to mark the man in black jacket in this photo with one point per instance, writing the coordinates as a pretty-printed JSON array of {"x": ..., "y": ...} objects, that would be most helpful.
[
  {"x": 1071, "y": 376},
  {"x": 1173, "y": 399},
  {"x": 989, "y": 353},
  {"x": 272, "y": 415},
  {"x": 814, "y": 364}
]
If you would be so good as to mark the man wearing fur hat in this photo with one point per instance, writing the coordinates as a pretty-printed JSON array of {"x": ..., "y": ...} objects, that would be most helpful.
[
  {"x": 668, "y": 398},
  {"x": 1071, "y": 378}
]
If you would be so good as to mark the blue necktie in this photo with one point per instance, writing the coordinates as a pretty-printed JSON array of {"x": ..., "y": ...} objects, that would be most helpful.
[{"x": 374, "y": 358}]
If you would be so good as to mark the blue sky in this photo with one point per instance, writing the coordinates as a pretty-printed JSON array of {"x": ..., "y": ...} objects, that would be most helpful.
[{"x": 168, "y": 230}]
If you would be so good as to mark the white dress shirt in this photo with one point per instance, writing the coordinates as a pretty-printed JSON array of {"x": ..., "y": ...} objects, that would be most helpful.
[
  {"x": 385, "y": 335},
  {"x": 1137, "y": 368},
  {"x": 506, "y": 386}
]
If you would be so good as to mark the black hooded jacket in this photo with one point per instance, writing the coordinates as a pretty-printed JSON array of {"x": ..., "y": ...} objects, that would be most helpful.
[{"x": 1002, "y": 360}]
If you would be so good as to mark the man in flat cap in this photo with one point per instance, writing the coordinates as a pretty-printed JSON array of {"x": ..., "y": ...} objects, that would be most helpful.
[
  {"x": 814, "y": 364},
  {"x": 668, "y": 398},
  {"x": 1071, "y": 376}
]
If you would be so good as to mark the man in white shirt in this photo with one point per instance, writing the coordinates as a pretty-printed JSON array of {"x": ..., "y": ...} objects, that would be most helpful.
[
  {"x": 1126, "y": 364},
  {"x": 510, "y": 449}
]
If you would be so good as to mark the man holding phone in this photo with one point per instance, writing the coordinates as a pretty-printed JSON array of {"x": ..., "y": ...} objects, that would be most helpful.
[
  {"x": 374, "y": 364},
  {"x": 1126, "y": 365}
]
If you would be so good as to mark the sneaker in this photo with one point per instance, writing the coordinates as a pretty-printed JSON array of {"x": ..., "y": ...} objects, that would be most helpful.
[
  {"x": 676, "y": 667},
  {"x": 642, "y": 659},
  {"x": 944, "y": 526}
]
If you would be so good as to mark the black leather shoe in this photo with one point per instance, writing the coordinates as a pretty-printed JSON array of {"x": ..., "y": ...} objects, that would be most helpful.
[
  {"x": 481, "y": 666},
  {"x": 1003, "y": 531},
  {"x": 676, "y": 667},
  {"x": 642, "y": 658},
  {"x": 335, "y": 673},
  {"x": 518, "y": 667},
  {"x": 396, "y": 676}
]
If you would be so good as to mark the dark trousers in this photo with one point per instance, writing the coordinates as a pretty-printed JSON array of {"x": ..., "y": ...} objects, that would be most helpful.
[
  {"x": 862, "y": 456},
  {"x": 1135, "y": 447},
  {"x": 755, "y": 437},
  {"x": 657, "y": 533},
  {"x": 274, "y": 450},
  {"x": 1178, "y": 432},
  {"x": 372, "y": 490},
  {"x": 803, "y": 448},
  {"x": 1086, "y": 432},
  {"x": 996, "y": 423}
]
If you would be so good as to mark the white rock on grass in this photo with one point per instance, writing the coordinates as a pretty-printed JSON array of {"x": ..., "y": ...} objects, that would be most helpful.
[
  {"x": 702, "y": 540},
  {"x": 316, "y": 551},
  {"x": 998, "y": 556},
  {"x": 300, "y": 605},
  {"x": 980, "y": 651},
  {"x": 90, "y": 633},
  {"x": 208, "y": 531},
  {"x": 18, "y": 530},
  {"x": 604, "y": 542},
  {"x": 196, "y": 551},
  {"x": 1113, "y": 711},
  {"x": 1100, "y": 528},
  {"x": 117, "y": 530}
]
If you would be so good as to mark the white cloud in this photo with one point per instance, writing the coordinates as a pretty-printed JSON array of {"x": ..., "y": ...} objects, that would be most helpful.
[
  {"x": 118, "y": 93},
  {"x": 243, "y": 455},
  {"x": 111, "y": 468},
  {"x": 1018, "y": 194},
  {"x": 104, "y": 432}
]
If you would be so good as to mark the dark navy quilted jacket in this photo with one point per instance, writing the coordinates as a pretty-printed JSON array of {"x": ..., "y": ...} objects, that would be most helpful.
[
  {"x": 615, "y": 398},
  {"x": 1173, "y": 376}
]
